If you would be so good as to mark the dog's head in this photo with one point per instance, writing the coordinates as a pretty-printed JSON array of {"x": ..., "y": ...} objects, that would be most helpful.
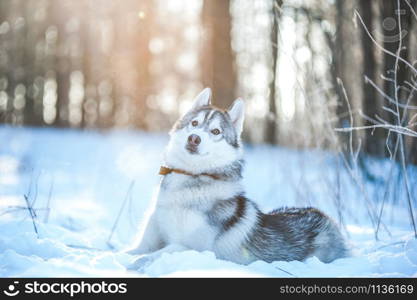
[{"x": 206, "y": 138}]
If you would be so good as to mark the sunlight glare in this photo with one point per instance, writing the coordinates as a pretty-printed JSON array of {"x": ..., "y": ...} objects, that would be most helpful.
[
  {"x": 131, "y": 161},
  {"x": 141, "y": 14},
  {"x": 286, "y": 72}
]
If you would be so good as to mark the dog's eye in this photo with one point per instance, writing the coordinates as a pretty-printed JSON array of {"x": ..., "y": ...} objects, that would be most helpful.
[
  {"x": 215, "y": 131},
  {"x": 194, "y": 123}
]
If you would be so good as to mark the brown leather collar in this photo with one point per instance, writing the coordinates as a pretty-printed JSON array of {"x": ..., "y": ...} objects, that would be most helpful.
[{"x": 165, "y": 171}]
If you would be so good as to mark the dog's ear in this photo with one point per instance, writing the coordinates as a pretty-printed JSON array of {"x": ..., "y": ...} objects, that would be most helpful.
[
  {"x": 237, "y": 113},
  {"x": 203, "y": 99}
]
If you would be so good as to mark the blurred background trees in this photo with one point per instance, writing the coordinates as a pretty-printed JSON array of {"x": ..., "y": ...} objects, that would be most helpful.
[{"x": 299, "y": 65}]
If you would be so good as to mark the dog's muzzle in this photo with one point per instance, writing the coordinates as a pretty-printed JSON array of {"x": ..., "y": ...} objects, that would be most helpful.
[{"x": 192, "y": 143}]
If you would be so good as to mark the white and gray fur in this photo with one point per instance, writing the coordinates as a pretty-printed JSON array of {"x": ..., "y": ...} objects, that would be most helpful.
[{"x": 202, "y": 213}]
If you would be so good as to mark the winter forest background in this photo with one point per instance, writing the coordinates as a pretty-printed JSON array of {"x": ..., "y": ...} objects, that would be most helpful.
[
  {"x": 137, "y": 64},
  {"x": 330, "y": 85}
]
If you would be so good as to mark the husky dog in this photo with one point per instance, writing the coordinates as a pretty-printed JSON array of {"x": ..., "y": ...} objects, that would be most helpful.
[{"x": 201, "y": 203}]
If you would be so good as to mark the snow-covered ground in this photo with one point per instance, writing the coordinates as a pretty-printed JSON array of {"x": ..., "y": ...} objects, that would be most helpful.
[{"x": 77, "y": 182}]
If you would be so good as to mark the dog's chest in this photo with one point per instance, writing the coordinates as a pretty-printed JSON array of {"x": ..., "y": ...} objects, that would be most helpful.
[
  {"x": 187, "y": 227},
  {"x": 182, "y": 219}
]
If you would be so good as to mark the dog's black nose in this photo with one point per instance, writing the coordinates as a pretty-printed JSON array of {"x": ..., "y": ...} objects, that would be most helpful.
[{"x": 194, "y": 140}]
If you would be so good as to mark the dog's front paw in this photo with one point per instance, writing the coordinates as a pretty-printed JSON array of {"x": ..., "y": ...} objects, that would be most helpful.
[{"x": 141, "y": 263}]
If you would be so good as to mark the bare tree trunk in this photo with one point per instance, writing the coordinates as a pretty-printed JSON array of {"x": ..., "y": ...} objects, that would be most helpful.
[
  {"x": 393, "y": 38},
  {"x": 216, "y": 54},
  {"x": 143, "y": 59},
  {"x": 15, "y": 64},
  {"x": 337, "y": 47},
  {"x": 339, "y": 60},
  {"x": 271, "y": 126},
  {"x": 62, "y": 67},
  {"x": 374, "y": 141},
  {"x": 391, "y": 42},
  {"x": 412, "y": 79},
  {"x": 28, "y": 62}
]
